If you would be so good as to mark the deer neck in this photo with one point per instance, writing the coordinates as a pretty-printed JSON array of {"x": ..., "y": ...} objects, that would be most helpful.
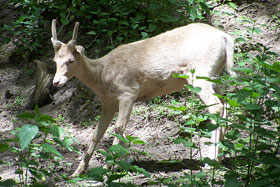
[{"x": 89, "y": 72}]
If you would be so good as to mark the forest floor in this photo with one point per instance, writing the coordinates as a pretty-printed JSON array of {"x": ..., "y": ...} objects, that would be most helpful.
[{"x": 78, "y": 109}]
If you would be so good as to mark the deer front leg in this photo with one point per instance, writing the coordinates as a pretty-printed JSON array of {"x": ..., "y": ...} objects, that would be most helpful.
[
  {"x": 107, "y": 114},
  {"x": 126, "y": 102}
]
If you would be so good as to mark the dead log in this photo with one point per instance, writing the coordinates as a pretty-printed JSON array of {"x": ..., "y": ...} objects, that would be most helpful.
[
  {"x": 43, "y": 91},
  {"x": 6, "y": 51}
]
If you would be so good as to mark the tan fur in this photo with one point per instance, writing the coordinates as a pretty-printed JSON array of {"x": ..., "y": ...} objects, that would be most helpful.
[{"x": 143, "y": 70}]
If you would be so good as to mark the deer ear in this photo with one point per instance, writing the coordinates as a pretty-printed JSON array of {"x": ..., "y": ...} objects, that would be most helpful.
[
  {"x": 56, "y": 44},
  {"x": 80, "y": 49},
  {"x": 72, "y": 45}
]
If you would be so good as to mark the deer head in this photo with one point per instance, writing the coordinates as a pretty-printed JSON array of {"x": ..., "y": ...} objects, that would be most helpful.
[{"x": 66, "y": 56}]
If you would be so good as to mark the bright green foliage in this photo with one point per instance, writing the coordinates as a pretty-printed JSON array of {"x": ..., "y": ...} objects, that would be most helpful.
[
  {"x": 116, "y": 158},
  {"x": 254, "y": 140},
  {"x": 26, "y": 134},
  {"x": 35, "y": 143},
  {"x": 251, "y": 144},
  {"x": 107, "y": 23}
]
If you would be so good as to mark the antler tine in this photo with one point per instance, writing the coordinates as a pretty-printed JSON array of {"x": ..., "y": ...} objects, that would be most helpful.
[
  {"x": 54, "y": 36},
  {"x": 75, "y": 32}
]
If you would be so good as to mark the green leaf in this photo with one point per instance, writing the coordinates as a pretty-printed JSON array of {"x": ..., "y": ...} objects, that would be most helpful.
[
  {"x": 63, "y": 18},
  {"x": 193, "y": 89},
  {"x": 169, "y": 19},
  {"x": 46, "y": 118},
  {"x": 144, "y": 35},
  {"x": 232, "y": 181},
  {"x": 210, "y": 80},
  {"x": 211, "y": 127},
  {"x": 152, "y": 27},
  {"x": 244, "y": 69},
  {"x": 57, "y": 131},
  {"x": 139, "y": 142},
  {"x": 26, "y": 134},
  {"x": 140, "y": 170},
  {"x": 276, "y": 66},
  {"x": 68, "y": 141},
  {"x": 44, "y": 129},
  {"x": 241, "y": 40},
  {"x": 228, "y": 144},
  {"x": 233, "y": 134},
  {"x": 180, "y": 108},
  {"x": 154, "y": 6},
  {"x": 184, "y": 142},
  {"x": 3, "y": 147},
  {"x": 260, "y": 183},
  {"x": 131, "y": 138},
  {"x": 124, "y": 23},
  {"x": 117, "y": 149},
  {"x": 26, "y": 115},
  {"x": 233, "y": 5},
  {"x": 75, "y": 180},
  {"x": 241, "y": 126},
  {"x": 9, "y": 182},
  {"x": 134, "y": 26},
  {"x": 113, "y": 177},
  {"x": 123, "y": 164},
  {"x": 107, "y": 155},
  {"x": 19, "y": 171},
  {"x": 37, "y": 112},
  {"x": 193, "y": 13},
  {"x": 210, "y": 162},
  {"x": 97, "y": 173},
  {"x": 269, "y": 161},
  {"x": 91, "y": 33},
  {"x": 257, "y": 30},
  {"x": 172, "y": 2},
  {"x": 51, "y": 149},
  {"x": 121, "y": 138},
  {"x": 233, "y": 103},
  {"x": 275, "y": 87},
  {"x": 275, "y": 171},
  {"x": 253, "y": 107},
  {"x": 217, "y": 13},
  {"x": 200, "y": 175},
  {"x": 181, "y": 76},
  {"x": 242, "y": 95}
]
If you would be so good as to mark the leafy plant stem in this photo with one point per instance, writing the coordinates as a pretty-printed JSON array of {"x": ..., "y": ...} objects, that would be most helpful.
[
  {"x": 276, "y": 152},
  {"x": 93, "y": 40},
  {"x": 251, "y": 143},
  {"x": 27, "y": 166}
]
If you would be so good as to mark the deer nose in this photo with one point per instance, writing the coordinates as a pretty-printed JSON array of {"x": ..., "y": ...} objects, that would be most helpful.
[
  {"x": 55, "y": 83},
  {"x": 59, "y": 80}
]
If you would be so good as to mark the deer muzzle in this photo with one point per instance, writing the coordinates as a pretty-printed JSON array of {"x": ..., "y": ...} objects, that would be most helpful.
[{"x": 59, "y": 80}]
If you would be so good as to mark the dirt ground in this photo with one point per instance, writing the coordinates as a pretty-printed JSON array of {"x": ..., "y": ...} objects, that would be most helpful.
[{"x": 79, "y": 108}]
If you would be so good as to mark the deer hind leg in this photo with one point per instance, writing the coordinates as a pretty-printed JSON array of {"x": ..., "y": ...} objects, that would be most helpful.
[
  {"x": 206, "y": 95},
  {"x": 107, "y": 114}
]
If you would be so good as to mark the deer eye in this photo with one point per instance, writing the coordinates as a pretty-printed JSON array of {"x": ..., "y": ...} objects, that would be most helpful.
[{"x": 71, "y": 61}]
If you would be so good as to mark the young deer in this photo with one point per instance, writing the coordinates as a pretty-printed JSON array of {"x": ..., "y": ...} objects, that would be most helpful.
[{"x": 143, "y": 70}]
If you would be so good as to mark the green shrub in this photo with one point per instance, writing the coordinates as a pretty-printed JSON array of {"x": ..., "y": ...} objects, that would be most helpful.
[
  {"x": 107, "y": 23},
  {"x": 36, "y": 146}
]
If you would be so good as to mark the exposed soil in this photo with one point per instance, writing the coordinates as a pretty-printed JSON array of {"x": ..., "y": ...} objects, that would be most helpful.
[{"x": 79, "y": 106}]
